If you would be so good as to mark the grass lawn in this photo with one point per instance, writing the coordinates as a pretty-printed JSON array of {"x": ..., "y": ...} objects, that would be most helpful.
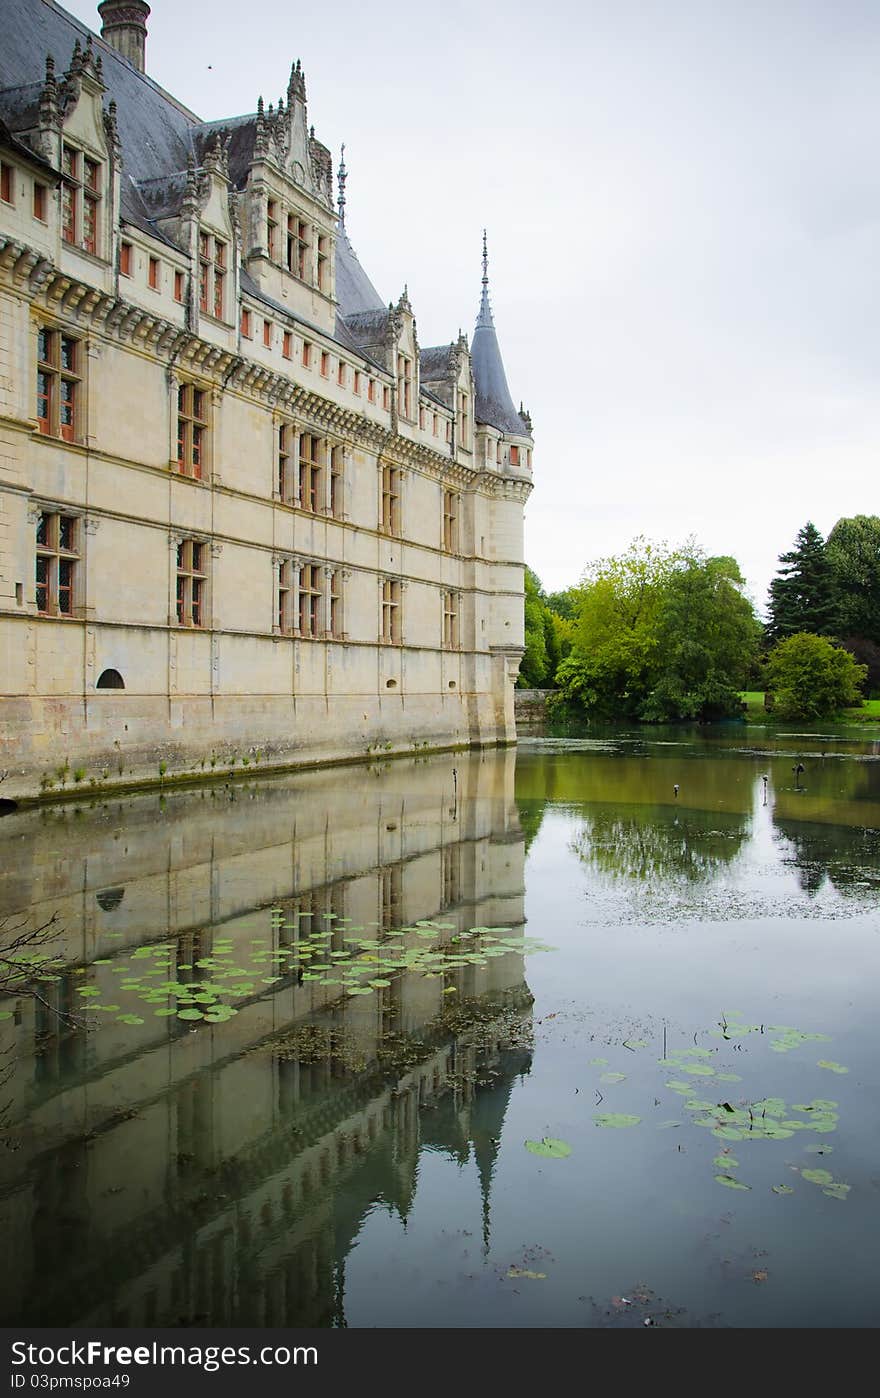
[{"x": 866, "y": 712}]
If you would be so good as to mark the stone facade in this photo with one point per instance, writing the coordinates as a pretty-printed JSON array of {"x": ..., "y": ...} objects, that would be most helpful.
[{"x": 245, "y": 518}]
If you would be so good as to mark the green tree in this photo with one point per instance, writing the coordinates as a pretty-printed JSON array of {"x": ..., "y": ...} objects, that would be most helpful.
[
  {"x": 802, "y": 593},
  {"x": 853, "y": 554},
  {"x": 809, "y": 677},
  {"x": 534, "y": 665},
  {"x": 708, "y": 639},
  {"x": 612, "y": 665},
  {"x": 662, "y": 635}
]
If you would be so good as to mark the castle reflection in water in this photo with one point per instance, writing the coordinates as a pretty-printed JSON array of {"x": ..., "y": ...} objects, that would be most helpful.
[{"x": 160, "y": 1174}]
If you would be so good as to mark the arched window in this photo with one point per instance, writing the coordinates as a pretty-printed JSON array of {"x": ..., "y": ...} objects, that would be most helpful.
[{"x": 110, "y": 679}]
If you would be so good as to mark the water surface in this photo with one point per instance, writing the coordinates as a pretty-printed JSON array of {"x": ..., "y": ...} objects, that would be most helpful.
[{"x": 275, "y": 1077}]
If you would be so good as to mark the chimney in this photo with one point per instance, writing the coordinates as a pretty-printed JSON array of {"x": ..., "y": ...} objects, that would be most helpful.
[{"x": 124, "y": 27}]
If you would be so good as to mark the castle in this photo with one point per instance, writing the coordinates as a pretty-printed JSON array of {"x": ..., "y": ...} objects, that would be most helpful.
[{"x": 245, "y": 518}]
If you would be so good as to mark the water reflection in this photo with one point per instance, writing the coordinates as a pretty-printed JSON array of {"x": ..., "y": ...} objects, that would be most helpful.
[{"x": 154, "y": 1173}]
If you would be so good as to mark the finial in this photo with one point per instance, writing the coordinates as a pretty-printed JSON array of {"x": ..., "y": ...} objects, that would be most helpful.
[
  {"x": 485, "y": 261},
  {"x": 342, "y": 175},
  {"x": 484, "y": 316}
]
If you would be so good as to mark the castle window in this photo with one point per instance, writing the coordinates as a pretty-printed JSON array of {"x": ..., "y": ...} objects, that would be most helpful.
[
  {"x": 285, "y": 597},
  {"x": 6, "y": 183},
  {"x": 337, "y": 460},
  {"x": 245, "y": 323},
  {"x": 212, "y": 275},
  {"x": 297, "y": 246},
  {"x": 192, "y": 430},
  {"x": 514, "y": 456},
  {"x": 436, "y": 425},
  {"x": 335, "y": 619},
  {"x": 125, "y": 259},
  {"x": 309, "y": 599},
  {"x": 464, "y": 422},
  {"x": 390, "y": 621},
  {"x": 307, "y": 355},
  {"x": 40, "y": 202},
  {"x": 56, "y": 564},
  {"x": 323, "y": 263},
  {"x": 267, "y": 334},
  {"x": 421, "y": 418},
  {"x": 109, "y": 679},
  {"x": 178, "y": 286},
  {"x": 404, "y": 386},
  {"x": 287, "y": 344},
  {"x": 450, "y": 620},
  {"x": 356, "y": 388},
  {"x": 448, "y": 430},
  {"x": 191, "y": 582},
  {"x": 80, "y": 199},
  {"x": 371, "y": 391},
  {"x": 389, "y": 518},
  {"x": 311, "y": 464},
  {"x": 340, "y": 373},
  {"x": 386, "y": 397},
  {"x": 59, "y": 384},
  {"x": 153, "y": 273},
  {"x": 284, "y": 481},
  {"x": 272, "y": 229},
  {"x": 450, "y": 521},
  {"x": 325, "y": 364}
]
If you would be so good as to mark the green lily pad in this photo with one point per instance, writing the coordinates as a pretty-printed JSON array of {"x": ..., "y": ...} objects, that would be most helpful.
[
  {"x": 831, "y": 1066},
  {"x": 550, "y": 1147},
  {"x": 615, "y": 1119},
  {"x": 782, "y": 1189},
  {"x": 837, "y": 1190},
  {"x": 730, "y": 1183},
  {"x": 190, "y": 1014},
  {"x": 613, "y": 1077},
  {"x": 129, "y": 1019},
  {"x": 725, "y": 1162},
  {"x": 818, "y": 1176}
]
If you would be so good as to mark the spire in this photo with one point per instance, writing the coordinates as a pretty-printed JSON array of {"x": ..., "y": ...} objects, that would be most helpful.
[
  {"x": 494, "y": 404},
  {"x": 485, "y": 313},
  {"x": 342, "y": 175}
]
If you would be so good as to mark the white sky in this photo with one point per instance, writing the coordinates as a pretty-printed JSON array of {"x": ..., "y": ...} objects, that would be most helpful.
[{"x": 683, "y": 209}]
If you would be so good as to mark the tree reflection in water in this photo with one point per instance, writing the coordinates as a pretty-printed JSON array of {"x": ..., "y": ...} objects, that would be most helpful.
[{"x": 651, "y": 846}]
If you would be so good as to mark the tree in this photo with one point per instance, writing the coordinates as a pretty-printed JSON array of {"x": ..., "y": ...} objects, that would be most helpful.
[
  {"x": 662, "y": 635},
  {"x": 802, "y": 593},
  {"x": 809, "y": 677},
  {"x": 853, "y": 554},
  {"x": 708, "y": 637},
  {"x": 533, "y": 666}
]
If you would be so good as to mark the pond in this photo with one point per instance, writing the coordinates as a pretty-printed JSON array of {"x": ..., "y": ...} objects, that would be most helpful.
[{"x": 584, "y": 1034}]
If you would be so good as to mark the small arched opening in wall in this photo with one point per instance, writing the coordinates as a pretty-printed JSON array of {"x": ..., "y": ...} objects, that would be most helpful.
[
  {"x": 391, "y": 684},
  {"x": 110, "y": 679}
]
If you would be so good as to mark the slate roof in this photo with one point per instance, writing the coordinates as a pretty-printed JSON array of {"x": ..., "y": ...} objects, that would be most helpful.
[{"x": 494, "y": 404}]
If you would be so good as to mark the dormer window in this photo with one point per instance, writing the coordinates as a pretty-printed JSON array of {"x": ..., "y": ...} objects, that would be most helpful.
[
  {"x": 212, "y": 276},
  {"x": 463, "y": 419},
  {"x": 323, "y": 263},
  {"x": 297, "y": 246},
  {"x": 272, "y": 229},
  {"x": 404, "y": 386},
  {"x": 80, "y": 199}
]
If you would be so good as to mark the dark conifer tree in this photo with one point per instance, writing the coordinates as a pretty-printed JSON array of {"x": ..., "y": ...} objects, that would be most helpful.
[{"x": 802, "y": 593}]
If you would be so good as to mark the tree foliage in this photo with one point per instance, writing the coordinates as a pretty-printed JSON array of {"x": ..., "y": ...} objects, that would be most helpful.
[
  {"x": 661, "y": 635},
  {"x": 809, "y": 677},
  {"x": 548, "y": 636},
  {"x": 853, "y": 557},
  {"x": 802, "y": 593}
]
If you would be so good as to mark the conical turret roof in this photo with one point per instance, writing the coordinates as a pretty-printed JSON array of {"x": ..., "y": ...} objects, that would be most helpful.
[{"x": 494, "y": 404}]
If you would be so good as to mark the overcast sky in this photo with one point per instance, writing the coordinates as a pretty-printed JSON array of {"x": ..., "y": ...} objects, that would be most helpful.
[{"x": 683, "y": 205}]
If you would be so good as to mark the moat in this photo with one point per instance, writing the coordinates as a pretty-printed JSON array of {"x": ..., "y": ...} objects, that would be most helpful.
[{"x": 582, "y": 1034}]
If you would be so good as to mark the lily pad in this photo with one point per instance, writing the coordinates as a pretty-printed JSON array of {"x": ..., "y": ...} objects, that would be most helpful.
[
  {"x": 615, "y": 1119},
  {"x": 613, "y": 1077},
  {"x": 730, "y": 1183},
  {"x": 818, "y": 1176},
  {"x": 550, "y": 1147},
  {"x": 831, "y": 1066},
  {"x": 782, "y": 1189},
  {"x": 837, "y": 1190}
]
